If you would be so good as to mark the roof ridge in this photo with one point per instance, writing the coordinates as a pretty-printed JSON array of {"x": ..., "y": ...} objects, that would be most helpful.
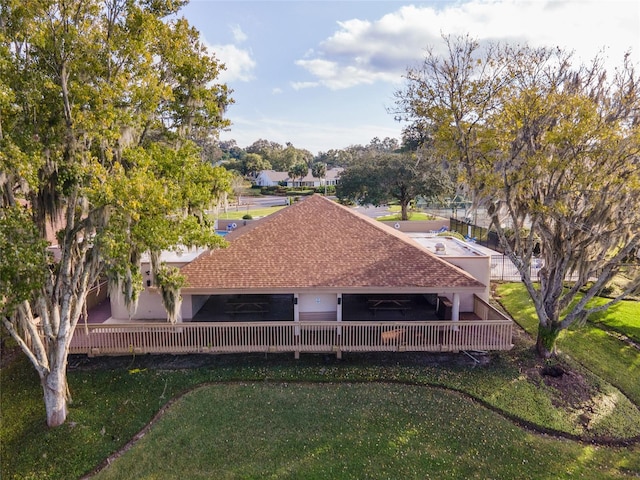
[
  {"x": 317, "y": 242},
  {"x": 401, "y": 236}
]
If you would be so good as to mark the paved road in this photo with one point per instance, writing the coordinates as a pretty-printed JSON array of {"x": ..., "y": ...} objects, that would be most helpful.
[
  {"x": 263, "y": 201},
  {"x": 373, "y": 212},
  {"x": 250, "y": 203}
]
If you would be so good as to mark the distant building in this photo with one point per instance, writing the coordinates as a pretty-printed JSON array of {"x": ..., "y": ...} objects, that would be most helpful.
[{"x": 271, "y": 178}]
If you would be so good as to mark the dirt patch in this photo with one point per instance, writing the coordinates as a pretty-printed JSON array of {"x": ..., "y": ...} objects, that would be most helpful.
[
  {"x": 569, "y": 391},
  {"x": 192, "y": 361},
  {"x": 570, "y": 388}
]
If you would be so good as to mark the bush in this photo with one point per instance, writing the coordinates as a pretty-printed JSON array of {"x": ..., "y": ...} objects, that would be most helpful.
[
  {"x": 331, "y": 190},
  {"x": 457, "y": 235},
  {"x": 247, "y": 216},
  {"x": 278, "y": 190},
  {"x": 296, "y": 193}
]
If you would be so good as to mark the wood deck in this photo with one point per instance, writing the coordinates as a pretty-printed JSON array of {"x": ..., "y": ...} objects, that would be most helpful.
[
  {"x": 482, "y": 330},
  {"x": 294, "y": 337}
]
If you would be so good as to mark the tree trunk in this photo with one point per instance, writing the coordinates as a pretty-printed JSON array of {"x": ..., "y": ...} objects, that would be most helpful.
[
  {"x": 404, "y": 215},
  {"x": 54, "y": 385},
  {"x": 546, "y": 341}
]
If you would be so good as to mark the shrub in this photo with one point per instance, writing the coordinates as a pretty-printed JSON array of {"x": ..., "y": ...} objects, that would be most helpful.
[
  {"x": 457, "y": 235},
  {"x": 247, "y": 216},
  {"x": 330, "y": 189}
]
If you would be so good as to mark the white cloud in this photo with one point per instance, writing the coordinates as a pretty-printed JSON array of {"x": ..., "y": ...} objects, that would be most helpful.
[
  {"x": 337, "y": 76},
  {"x": 276, "y": 91},
  {"x": 307, "y": 135},
  {"x": 303, "y": 85},
  {"x": 238, "y": 62},
  {"x": 362, "y": 52},
  {"x": 238, "y": 35}
]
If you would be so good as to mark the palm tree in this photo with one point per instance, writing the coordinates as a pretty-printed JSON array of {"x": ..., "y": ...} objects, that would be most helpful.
[
  {"x": 319, "y": 170},
  {"x": 299, "y": 170}
]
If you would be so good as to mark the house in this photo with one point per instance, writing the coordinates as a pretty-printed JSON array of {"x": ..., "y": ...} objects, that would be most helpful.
[
  {"x": 271, "y": 178},
  {"x": 316, "y": 277}
]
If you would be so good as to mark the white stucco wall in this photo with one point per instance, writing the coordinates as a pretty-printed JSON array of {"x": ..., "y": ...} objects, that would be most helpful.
[
  {"x": 318, "y": 303},
  {"x": 150, "y": 306},
  {"x": 317, "y": 306},
  {"x": 480, "y": 269}
]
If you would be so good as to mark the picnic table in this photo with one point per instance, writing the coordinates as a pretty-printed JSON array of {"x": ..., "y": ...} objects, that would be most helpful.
[
  {"x": 247, "y": 306},
  {"x": 398, "y": 304}
]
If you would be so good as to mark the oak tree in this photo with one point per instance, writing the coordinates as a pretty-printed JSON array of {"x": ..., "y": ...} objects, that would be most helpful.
[
  {"x": 379, "y": 178},
  {"x": 552, "y": 149},
  {"x": 101, "y": 103}
]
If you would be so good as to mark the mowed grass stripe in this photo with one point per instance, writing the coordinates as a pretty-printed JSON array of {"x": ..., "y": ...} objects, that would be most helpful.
[{"x": 348, "y": 431}]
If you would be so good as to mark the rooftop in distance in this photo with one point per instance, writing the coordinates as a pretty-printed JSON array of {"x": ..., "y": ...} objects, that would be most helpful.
[{"x": 450, "y": 246}]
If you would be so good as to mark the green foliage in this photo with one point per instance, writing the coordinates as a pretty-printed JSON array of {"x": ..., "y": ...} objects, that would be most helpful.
[
  {"x": 608, "y": 356},
  {"x": 103, "y": 106},
  {"x": 272, "y": 406},
  {"x": 319, "y": 169},
  {"x": 329, "y": 189},
  {"x": 169, "y": 278},
  {"x": 280, "y": 158},
  {"x": 247, "y": 216},
  {"x": 549, "y": 148},
  {"x": 381, "y": 178},
  {"x": 23, "y": 258},
  {"x": 298, "y": 170}
]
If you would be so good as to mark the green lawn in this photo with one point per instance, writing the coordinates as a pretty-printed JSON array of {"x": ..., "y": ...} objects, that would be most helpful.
[
  {"x": 233, "y": 214},
  {"x": 395, "y": 215},
  {"x": 623, "y": 317},
  {"x": 413, "y": 216},
  {"x": 349, "y": 431},
  {"x": 592, "y": 345},
  {"x": 391, "y": 405}
]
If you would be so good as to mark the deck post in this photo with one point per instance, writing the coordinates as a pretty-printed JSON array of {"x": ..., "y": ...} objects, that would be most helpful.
[
  {"x": 296, "y": 308},
  {"x": 339, "y": 314},
  {"x": 455, "y": 309}
]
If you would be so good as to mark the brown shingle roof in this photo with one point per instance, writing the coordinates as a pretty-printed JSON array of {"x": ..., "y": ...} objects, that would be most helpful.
[{"x": 317, "y": 243}]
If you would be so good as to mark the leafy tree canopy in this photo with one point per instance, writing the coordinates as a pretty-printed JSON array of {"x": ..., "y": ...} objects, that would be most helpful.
[
  {"x": 102, "y": 105},
  {"x": 380, "y": 178},
  {"x": 551, "y": 149}
]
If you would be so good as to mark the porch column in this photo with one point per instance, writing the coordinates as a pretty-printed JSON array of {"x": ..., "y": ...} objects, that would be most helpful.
[
  {"x": 455, "y": 309},
  {"x": 296, "y": 319},
  {"x": 339, "y": 313},
  {"x": 296, "y": 308}
]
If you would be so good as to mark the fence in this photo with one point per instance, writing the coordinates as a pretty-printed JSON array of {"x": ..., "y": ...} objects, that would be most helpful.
[
  {"x": 481, "y": 235},
  {"x": 491, "y": 331},
  {"x": 295, "y": 337}
]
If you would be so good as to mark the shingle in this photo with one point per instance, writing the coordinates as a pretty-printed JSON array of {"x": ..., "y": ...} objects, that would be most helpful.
[{"x": 318, "y": 243}]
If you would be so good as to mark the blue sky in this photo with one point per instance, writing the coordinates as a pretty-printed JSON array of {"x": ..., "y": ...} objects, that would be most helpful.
[{"x": 321, "y": 74}]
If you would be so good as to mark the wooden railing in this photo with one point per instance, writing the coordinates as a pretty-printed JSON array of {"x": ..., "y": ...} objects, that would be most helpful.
[
  {"x": 296, "y": 337},
  {"x": 484, "y": 311}
]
